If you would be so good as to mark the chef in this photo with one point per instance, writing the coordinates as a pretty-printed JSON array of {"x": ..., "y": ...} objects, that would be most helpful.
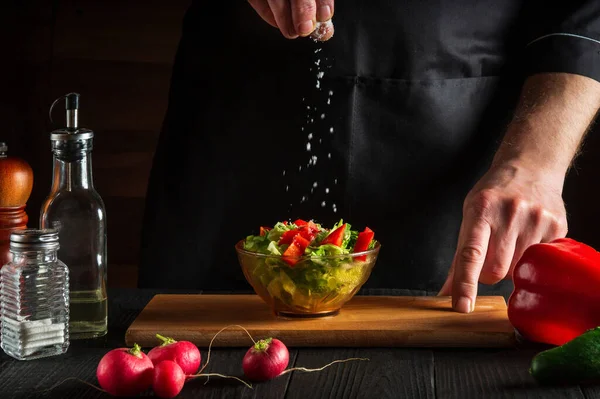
[{"x": 447, "y": 127}]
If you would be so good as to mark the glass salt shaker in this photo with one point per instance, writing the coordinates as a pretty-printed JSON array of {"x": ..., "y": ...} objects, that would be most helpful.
[
  {"x": 34, "y": 297},
  {"x": 75, "y": 208}
]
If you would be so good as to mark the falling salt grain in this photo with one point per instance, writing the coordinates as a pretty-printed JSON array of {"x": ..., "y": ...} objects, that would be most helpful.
[
  {"x": 320, "y": 140},
  {"x": 317, "y": 50},
  {"x": 287, "y": 188},
  {"x": 335, "y": 181},
  {"x": 315, "y": 184},
  {"x": 329, "y": 155},
  {"x": 317, "y": 62},
  {"x": 307, "y": 146},
  {"x": 300, "y": 167},
  {"x": 320, "y": 75},
  {"x": 322, "y": 116},
  {"x": 329, "y": 101},
  {"x": 327, "y": 191},
  {"x": 331, "y": 92},
  {"x": 318, "y": 84},
  {"x": 314, "y": 159},
  {"x": 323, "y": 204},
  {"x": 331, "y": 130},
  {"x": 310, "y": 136},
  {"x": 284, "y": 172},
  {"x": 308, "y": 107}
]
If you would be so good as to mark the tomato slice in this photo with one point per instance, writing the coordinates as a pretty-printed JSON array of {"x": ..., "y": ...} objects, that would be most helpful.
[
  {"x": 363, "y": 241},
  {"x": 296, "y": 249},
  {"x": 336, "y": 237},
  {"x": 300, "y": 222}
]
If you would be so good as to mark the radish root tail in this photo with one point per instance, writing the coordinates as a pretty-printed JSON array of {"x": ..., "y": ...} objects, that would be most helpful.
[
  {"x": 74, "y": 379},
  {"x": 208, "y": 375},
  {"x": 215, "y": 336},
  {"x": 324, "y": 367}
]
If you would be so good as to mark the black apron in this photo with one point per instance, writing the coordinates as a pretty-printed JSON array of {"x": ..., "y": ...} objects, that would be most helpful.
[{"x": 422, "y": 92}]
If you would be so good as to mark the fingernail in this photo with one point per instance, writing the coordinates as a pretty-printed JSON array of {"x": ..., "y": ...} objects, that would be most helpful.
[
  {"x": 324, "y": 13},
  {"x": 306, "y": 28},
  {"x": 464, "y": 305}
]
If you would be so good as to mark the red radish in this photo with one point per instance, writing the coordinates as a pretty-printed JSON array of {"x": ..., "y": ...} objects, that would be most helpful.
[
  {"x": 184, "y": 353},
  {"x": 168, "y": 380},
  {"x": 265, "y": 360},
  {"x": 125, "y": 372}
]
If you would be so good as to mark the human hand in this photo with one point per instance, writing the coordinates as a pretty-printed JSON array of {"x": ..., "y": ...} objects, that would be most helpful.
[
  {"x": 296, "y": 18},
  {"x": 513, "y": 206}
]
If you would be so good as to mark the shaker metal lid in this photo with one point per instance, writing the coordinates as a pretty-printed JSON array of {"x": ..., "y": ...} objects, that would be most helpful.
[
  {"x": 67, "y": 135},
  {"x": 34, "y": 239}
]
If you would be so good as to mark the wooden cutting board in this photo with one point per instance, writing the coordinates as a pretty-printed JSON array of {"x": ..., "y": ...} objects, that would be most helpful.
[{"x": 364, "y": 321}]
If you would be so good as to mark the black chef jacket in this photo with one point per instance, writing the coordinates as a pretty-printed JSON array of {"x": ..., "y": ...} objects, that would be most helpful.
[{"x": 412, "y": 102}]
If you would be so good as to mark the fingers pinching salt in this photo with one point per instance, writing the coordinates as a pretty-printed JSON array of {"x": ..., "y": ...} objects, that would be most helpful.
[{"x": 323, "y": 32}]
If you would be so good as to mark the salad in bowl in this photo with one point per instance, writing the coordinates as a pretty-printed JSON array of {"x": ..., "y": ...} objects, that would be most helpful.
[{"x": 303, "y": 269}]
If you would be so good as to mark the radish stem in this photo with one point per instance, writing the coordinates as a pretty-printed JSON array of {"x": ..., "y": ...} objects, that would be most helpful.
[
  {"x": 324, "y": 367},
  {"x": 165, "y": 340},
  {"x": 136, "y": 351}
]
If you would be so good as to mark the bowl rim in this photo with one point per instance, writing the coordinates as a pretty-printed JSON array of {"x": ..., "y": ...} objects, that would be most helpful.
[{"x": 240, "y": 249}]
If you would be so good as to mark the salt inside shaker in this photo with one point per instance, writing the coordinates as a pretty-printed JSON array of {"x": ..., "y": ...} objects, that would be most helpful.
[{"x": 34, "y": 297}]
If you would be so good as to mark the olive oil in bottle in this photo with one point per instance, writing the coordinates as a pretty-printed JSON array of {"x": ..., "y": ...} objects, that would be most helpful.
[{"x": 77, "y": 211}]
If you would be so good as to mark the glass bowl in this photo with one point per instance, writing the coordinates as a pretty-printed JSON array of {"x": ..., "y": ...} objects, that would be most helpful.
[{"x": 313, "y": 287}]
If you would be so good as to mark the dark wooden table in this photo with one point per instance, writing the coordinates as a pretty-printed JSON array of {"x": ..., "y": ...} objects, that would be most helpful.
[{"x": 390, "y": 372}]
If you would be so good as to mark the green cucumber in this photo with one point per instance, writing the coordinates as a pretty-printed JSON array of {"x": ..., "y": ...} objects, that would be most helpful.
[{"x": 577, "y": 361}]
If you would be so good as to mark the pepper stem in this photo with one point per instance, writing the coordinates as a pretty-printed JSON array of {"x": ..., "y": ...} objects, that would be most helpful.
[
  {"x": 263, "y": 344},
  {"x": 135, "y": 351},
  {"x": 165, "y": 340}
]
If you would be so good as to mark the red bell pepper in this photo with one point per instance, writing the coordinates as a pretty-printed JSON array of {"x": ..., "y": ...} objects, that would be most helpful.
[
  {"x": 557, "y": 291},
  {"x": 363, "y": 240},
  {"x": 287, "y": 237},
  {"x": 308, "y": 231},
  {"x": 296, "y": 249},
  {"x": 336, "y": 237}
]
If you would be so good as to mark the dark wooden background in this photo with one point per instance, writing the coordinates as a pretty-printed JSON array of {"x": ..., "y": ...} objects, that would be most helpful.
[{"x": 118, "y": 54}]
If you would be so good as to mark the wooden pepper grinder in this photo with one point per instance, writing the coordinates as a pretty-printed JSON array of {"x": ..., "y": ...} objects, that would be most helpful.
[{"x": 16, "y": 182}]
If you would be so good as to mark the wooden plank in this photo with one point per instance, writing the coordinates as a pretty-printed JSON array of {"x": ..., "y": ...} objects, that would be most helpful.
[
  {"x": 389, "y": 373},
  {"x": 115, "y": 96},
  {"x": 124, "y": 223},
  {"x": 122, "y": 276},
  {"x": 364, "y": 321},
  {"x": 491, "y": 374},
  {"x": 112, "y": 30},
  {"x": 122, "y": 175}
]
